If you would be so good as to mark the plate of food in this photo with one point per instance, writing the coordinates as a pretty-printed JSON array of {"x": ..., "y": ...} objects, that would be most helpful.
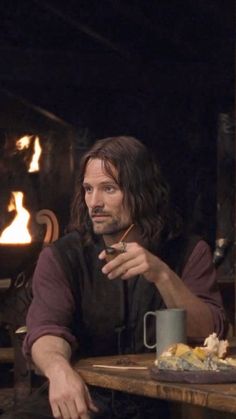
[{"x": 201, "y": 364}]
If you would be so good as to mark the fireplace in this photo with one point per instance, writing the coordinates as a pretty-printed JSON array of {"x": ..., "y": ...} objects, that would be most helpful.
[
  {"x": 37, "y": 170},
  {"x": 36, "y": 158}
]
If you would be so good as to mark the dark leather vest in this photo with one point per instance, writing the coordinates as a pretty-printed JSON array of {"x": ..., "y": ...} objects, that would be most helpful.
[{"x": 109, "y": 313}]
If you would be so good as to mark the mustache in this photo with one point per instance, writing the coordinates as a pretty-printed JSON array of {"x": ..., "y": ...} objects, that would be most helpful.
[{"x": 98, "y": 211}]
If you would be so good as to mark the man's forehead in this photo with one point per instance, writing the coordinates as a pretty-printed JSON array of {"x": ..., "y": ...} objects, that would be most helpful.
[{"x": 98, "y": 167}]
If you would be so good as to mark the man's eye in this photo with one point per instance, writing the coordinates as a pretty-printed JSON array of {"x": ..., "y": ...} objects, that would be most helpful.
[
  {"x": 87, "y": 189},
  {"x": 109, "y": 189}
]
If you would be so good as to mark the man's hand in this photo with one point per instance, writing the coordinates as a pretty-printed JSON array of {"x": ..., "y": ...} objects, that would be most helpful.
[
  {"x": 134, "y": 261},
  {"x": 69, "y": 396}
]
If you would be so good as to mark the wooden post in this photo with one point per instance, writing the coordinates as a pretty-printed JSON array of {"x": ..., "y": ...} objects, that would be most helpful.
[{"x": 224, "y": 255}]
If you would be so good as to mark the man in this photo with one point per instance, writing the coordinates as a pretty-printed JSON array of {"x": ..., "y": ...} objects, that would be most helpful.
[{"x": 88, "y": 305}]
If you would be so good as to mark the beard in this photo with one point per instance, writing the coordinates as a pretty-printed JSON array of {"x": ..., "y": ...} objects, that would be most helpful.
[{"x": 113, "y": 227}]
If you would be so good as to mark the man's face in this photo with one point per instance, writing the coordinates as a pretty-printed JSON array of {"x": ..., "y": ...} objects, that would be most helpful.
[{"x": 104, "y": 200}]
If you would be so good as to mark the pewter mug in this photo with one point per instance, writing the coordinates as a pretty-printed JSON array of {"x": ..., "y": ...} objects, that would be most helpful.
[{"x": 170, "y": 328}]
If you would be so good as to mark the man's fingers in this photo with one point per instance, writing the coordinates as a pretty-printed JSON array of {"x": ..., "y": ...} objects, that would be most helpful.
[
  {"x": 102, "y": 255},
  {"x": 55, "y": 410},
  {"x": 85, "y": 416},
  {"x": 125, "y": 267},
  {"x": 115, "y": 263},
  {"x": 65, "y": 413},
  {"x": 73, "y": 411},
  {"x": 82, "y": 413},
  {"x": 68, "y": 410}
]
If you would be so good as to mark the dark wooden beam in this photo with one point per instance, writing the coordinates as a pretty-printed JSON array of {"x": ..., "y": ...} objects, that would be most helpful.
[
  {"x": 75, "y": 23},
  {"x": 79, "y": 69}
]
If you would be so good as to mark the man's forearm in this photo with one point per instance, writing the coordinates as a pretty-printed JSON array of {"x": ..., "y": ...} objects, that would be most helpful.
[
  {"x": 50, "y": 353},
  {"x": 176, "y": 294}
]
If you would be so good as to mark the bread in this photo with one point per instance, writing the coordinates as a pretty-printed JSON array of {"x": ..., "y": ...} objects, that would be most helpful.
[{"x": 181, "y": 357}]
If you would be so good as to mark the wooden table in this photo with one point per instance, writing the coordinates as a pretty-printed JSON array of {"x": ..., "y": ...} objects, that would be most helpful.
[{"x": 221, "y": 397}]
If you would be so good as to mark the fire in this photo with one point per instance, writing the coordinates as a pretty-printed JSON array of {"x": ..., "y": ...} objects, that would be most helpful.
[
  {"x": 17, "y": 231},
  {"x": 24, "y": 143},
  {"x": 34, "y": 165}
]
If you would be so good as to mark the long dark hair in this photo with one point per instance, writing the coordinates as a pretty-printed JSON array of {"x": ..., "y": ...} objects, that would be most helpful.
[{"x": 146, "y": 193}]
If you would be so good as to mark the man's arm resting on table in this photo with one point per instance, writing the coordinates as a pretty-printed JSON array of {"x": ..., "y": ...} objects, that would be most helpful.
[
  {"x": 49, "y": 353},
  {"x": 67, "y": 391}
]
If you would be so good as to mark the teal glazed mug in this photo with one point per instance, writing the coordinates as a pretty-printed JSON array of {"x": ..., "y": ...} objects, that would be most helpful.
[{"x": 170, "y": 328}]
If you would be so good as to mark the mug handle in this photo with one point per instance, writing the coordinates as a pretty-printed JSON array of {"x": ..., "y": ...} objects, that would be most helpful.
[{"x": 149, "y": 313}]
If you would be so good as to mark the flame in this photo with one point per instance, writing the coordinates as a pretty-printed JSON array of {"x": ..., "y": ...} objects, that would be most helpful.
[
  {"x": 34, "y": 165},
  {"x": 17, "y": 231},
  {"x": 24, "y": 142}
]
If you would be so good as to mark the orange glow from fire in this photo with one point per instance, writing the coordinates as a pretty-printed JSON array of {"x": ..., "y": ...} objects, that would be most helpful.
[
  {"x": 17, "y": 231},
  {"x": 34, "y": 165}
]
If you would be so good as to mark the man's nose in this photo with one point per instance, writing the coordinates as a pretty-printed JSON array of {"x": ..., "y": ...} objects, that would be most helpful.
[{"x": 96, "y": 200}]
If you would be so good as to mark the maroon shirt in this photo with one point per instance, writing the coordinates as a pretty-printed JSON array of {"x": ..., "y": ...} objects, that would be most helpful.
[{"x": 53, "y": 306}]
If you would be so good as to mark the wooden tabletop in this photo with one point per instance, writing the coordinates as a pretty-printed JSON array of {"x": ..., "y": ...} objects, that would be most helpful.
[{"x": 137, "y": 381}]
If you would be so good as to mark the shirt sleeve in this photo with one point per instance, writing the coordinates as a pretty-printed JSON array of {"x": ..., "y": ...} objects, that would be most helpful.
[
  {"x": 52, "y": 308},
  {"x": 199, "y": 276}
]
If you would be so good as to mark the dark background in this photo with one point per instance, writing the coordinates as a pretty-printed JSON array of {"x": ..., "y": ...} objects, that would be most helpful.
[{"x": 160, "y": 70}]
